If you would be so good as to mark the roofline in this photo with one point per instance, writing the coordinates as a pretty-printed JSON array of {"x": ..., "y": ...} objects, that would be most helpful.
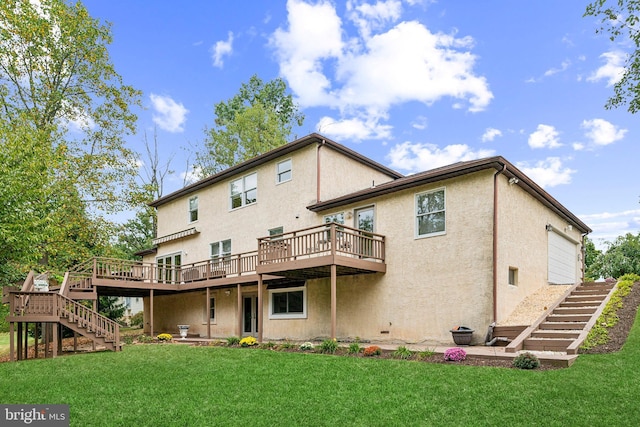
[
  {"x": 270, "y": 155},
  {"x": 498, "y": 163}
]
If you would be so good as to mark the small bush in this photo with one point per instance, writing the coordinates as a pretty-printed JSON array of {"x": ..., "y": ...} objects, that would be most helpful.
[
  {"x": 286, "y": 345},
  {"x": 402, "y": 353},
  {"x": 248, "y": 342},
  {"x": 128, "y": 339},
  {"x": 329, "y": 346},
  {"x": 354, "y": 348},
  {"x": 526, "y": 361},
  {"x": 145, "y": 338},
  {"x": 372, "y": 350},
  {"x": 164, "y": 337},
  {"x": 231, "y": 341},
  {"x": 455, "y": 354},
  {"x": 137, "y": 319},
  {"x": 267, "y": 345},
  {"x": 306, "y": 346},
  {"x": 425, "y": 354}
]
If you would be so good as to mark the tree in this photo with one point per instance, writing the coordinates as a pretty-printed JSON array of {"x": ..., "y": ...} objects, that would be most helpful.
[
  {"x": 64, "y": 112},
  {"x": 591, "y": 254},
  {"x": 621, "y": 257},
  {"x": 111, "y": 308},
  {"x": 257, "y": 119},
  {"x": 620, "y": 19}
]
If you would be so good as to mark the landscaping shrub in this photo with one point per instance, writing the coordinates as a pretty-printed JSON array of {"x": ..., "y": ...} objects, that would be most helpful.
[
  {"x": 455, "y": 354},
  {"x": 306, "y": 346},
  {"x": 137, "y": 319},
  {"x": 231, "y": 341},
  {"x": 372, "y": 350},
  {"x": 402, "y": 353},
  {"x": 164, "y": 337},
  {"x": 354, "y": 348},
  {"x": 248, "y": 342},
  {"x": 145, "y": 338},
  {"x": 329, "y": 346},
  {"x": 526, "y": 361}
]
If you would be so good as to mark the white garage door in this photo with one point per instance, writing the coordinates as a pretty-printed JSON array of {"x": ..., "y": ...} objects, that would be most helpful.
[{"x": 563, "y": 259}]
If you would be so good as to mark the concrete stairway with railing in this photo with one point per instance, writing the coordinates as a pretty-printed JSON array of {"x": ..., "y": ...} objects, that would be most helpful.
[{"x": 566, "y": 324}]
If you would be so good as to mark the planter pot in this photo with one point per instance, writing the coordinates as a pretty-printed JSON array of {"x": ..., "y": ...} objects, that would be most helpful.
[
  {"x": 462, "y": 335},
  {"x": 183, "y": 330}
]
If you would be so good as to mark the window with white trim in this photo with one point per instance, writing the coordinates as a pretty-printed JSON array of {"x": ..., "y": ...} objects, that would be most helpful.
[
  {"x": 288, "y": 303},
  {"x": 283, "y": 171},
  {"x": 338, "y": 218},
  {"x": 430, "y": 213},
  {"x": 276, "y": 231},
  {"x": 212, "y": 309},
  {"x": 193, "y": 209},
  {"x": 221, "y": 250},
  {"x": 513, "y": 276},
  {"x": 244, "y": 191}
]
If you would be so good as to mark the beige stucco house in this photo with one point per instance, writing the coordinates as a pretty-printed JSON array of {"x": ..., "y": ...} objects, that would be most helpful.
[{"x": 313, "y": 240}]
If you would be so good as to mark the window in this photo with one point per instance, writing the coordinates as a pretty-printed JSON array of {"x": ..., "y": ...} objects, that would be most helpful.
[
  {"x": 221, "y": 249},
  {"x": 430, "y": 213},
  {"x": 193, "y": 209},
  {"x": 283, "y": 171},
  {"x": 288, "y": 303},
  {"x": 244, "y": 191},
  {"x": 212, "y": 309},
  {"x": 276, "y": 231},
  {"x": 513, "y": 276},
  {"x": 338, "y": 218}
]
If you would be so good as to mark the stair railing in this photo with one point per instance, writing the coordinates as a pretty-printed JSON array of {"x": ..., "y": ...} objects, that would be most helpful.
[{"x": 92, "y": 321}]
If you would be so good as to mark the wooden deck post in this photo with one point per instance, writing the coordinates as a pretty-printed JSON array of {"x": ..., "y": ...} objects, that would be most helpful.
[
  {"x": 334, "y": 301},
  {"x": 11, "y": 342},
  {"x": 95, "y": 308},
  {"x": 239, "y": 312},
  {"x": 151, "y": 313},
  {"x": 208, "y": 312},
  {"x": 36, "y": 337},
  {"x": 260, "y": 322},
  {"x": 54, "y": 325},
  {"x": 19, "y": 349}
]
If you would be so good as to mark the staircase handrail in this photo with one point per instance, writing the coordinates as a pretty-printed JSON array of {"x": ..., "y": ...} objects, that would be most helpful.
[
  {"x": 84, "y": 267},
  {"x": 29, "y": 282},
  {"x": 88, "y": 318}
]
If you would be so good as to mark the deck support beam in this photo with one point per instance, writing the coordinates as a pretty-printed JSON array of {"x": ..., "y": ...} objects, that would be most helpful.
[
  {"x": 208, "y": 313},
  {"x": 239, "y": 312},
  {"x": 334, "y": 301},
  {"x": 151, "y": 313},
  {"x": 260, "y": 322},
  {"x": 11, "y": 341}
]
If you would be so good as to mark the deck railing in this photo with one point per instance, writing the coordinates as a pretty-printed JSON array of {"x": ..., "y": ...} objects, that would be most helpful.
[
  {"x": 54, "y": 305},
  {"x": 327, "y": 239}
]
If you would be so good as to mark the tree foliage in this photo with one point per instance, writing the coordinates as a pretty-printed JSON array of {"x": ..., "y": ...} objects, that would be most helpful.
[
  {"x": 111, "y": 307},
  {"x": 64, "y": 112},
  {"x": 621, "y": 257},
  {"x": 620, "y": 19},
  {"x": 258, "y": 118}
]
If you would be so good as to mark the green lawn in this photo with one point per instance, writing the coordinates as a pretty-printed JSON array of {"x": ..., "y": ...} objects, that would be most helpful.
[
  {"x": 175, "y": 385},
  {"x": 4, "y": 343}
]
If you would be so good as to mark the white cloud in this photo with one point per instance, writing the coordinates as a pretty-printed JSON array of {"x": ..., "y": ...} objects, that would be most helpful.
[
  {"x": 420, "y": 123},
  {"x": 612, "y": 70},
  {"x": 354, "y": 128},
  {"x": 385, "y": 64},
  {"x": 607, "y": 226},
  {"x": 221, "y": 49},
  {"x": 563, "y": 67},
  {"x": 490, "y": 134},
  {"x": 417, "y": 157},
  {"x": 602, "y": 132},
  {"x": 547, "y": 173},
  {"x": 170, "y": 114},
  {"x": 545, "y": 136}
]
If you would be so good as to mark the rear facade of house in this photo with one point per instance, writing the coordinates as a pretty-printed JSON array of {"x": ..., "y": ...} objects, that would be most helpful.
[{"x": 313, "y": 241}]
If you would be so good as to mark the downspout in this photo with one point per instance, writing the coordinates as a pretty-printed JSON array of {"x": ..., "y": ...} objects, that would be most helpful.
[
  {"x": 583, "y": 252},
  {"x": 495, "y": 242},
  {"x": 318, "y": 171}
]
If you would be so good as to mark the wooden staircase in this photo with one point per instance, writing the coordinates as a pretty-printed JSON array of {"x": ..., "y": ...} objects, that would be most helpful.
[
  {"x": 56, "y": 307},
  {"x": 565, "y": 325}
]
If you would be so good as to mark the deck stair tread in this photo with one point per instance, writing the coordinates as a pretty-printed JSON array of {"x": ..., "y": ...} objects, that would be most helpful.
[{"x": 566, "y": 321}]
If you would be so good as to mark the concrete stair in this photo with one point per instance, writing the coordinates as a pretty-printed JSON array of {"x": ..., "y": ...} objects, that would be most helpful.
[{"x": 565, "y": 325}]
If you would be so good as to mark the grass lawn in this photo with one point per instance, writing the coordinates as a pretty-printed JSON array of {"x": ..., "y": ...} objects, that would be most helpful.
[
  {"x": 175, "y": 385},
  {"x": 4, "y": 343}
]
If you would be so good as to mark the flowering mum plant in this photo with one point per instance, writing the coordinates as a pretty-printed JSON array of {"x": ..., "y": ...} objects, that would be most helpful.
[
  {"x": 372, "y": 350},
  {"x": 455, "y": 354},
  {"x": 306, "y": 346},
  {"x": 164, "y": 337},
  {"x": 248, "y": 342}
]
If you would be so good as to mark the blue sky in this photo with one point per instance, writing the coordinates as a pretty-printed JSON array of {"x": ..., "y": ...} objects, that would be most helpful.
[{"x": 412, "y": 84}]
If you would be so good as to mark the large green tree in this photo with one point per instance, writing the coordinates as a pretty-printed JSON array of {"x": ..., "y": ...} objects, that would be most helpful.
[
  {"x": 64, "y": 113},
  {"x": 620, "y": 20},
  {"x": 621, "y": 257},
  {"x": 260, "y": 117}
]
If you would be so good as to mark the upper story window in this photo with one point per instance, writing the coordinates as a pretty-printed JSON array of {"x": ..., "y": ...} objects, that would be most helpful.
[
  {"x": 221, "y": 249},
  {"x": 244, "y": 191},
  {"x": 283, "y": 171},
  {"x": 276, "y": 231},
  {"x": 338, "y": 218},
  {"x": 193, "y": 209},
  {"x": 430, "y": 213}
]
